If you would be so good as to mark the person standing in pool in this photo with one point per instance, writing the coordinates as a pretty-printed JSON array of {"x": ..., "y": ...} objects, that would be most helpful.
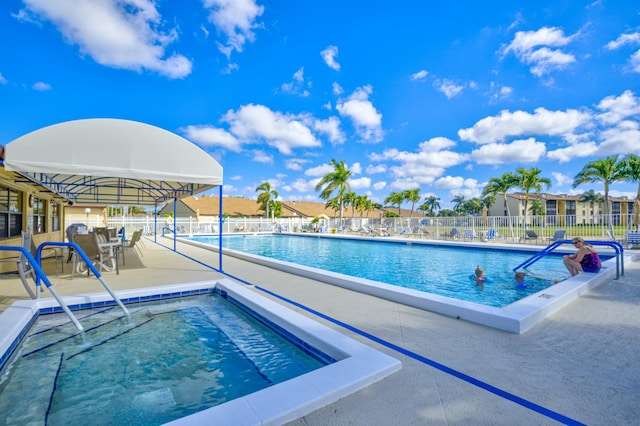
[
  {"x": 519, "y": 278},
  {"x": 479, "y": 276},
  {"x": 586, "y": 259}
]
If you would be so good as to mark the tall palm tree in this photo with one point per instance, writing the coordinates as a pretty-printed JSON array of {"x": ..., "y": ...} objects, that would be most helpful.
[
  {"x": 632, "y": 170},
  {"x": 606, "y": 170},
  {"x": 264, "y": 199},
  {"x": 338, "y": 180},
  {"x": 529, "y": 180},
  {"x": 333, "y": 204},
  {"x": 395, "y": 199},
  {"x": 432, "y": 203},
  {"x": 412, "y": 196},
  {"x": 500, "y": 186},
  {"x": 350, "y": 200},
  {"x": 458, "y": 203}
]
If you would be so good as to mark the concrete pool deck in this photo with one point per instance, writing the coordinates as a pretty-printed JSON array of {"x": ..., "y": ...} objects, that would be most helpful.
[{"x": 580, "y": 365}]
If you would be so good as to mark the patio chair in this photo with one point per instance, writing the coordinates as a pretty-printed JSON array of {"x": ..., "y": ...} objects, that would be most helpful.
[
  {"x": 492, "y": 234},
  {"x": 470, "y": 234},
  {"x": 96, "y": 254},
  {"x": 558, "y": 236},
  {"x": 453, "y": 234},
  {"x": 530, "y": 235},
  {"x": 633, "y": 238},
  {"x": 132, "y": 244}
]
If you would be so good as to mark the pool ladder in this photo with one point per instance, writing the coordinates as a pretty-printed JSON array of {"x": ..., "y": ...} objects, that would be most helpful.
[
  {"x": 41, "y": 276},
  {"x": 617, "y": 247}
]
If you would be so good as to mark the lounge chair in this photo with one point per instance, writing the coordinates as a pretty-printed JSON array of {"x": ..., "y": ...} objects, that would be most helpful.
[
  {"x": 633, "y": 238},
  {"x": 453, "y": 234},
  {"x": 470, "y": 234},
  {"x": 492, "y": 234},
  {"x": 558, "y": 236},
  {"x": 530, "y": 235}
]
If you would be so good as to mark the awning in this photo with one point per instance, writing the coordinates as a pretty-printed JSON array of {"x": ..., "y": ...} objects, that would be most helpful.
[{"x": 112, "y": 161}]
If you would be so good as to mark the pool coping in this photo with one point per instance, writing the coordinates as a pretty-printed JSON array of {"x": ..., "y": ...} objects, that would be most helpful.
[
  {"x": 518, "y": 317},
  {"x": 357, "y": 365}
]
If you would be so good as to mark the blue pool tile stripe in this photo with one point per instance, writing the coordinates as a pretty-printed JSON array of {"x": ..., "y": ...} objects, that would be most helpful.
[
  {"x": 504, "y": 394},
  {"x": 53, "y": 390}
]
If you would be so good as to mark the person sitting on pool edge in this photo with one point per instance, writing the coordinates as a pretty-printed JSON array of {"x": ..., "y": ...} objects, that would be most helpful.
[
  {"x": 586, "y": 259},
  {"x": 479, "y": 276}
]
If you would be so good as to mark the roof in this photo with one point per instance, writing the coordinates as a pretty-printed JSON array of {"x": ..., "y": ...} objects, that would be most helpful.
[{"x": 112, "y": 161}]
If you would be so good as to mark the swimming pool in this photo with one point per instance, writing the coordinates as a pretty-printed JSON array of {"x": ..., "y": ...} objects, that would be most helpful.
[
  {"x": 517, "y": 317},
  {"x": 441, "y": 270},
  {"x": 161, "y": 378}
]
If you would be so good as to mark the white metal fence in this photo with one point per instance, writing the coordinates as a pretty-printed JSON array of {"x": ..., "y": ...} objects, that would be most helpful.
[{"x": 509, "y": 229}]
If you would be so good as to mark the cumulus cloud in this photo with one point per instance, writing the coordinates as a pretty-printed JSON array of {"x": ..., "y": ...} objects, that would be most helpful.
[
  {"x": 329, "y": 56},
  {"x": 539, "y": 49},
  {"x": 623, "y": 40},
  {"x": 260, "y": 156},
  {"x": 297, "y": 86},
  {"x": 295, "y": 163},
  {"x": 320, "y": 170},
  {"x": 561, "y": 179},
  {"x": 337, "y": 89},
  {"x": 236, "y": 20},
  {"x": 360, "y": 183},
  {"x": 448, "y": 87},
  {"x": 331, "y": 128},
  {"x": 379, "y": 186},
  {"x": 378, "y": 168},
  {"x": 420, "y": 75},
  {"x": 621, "y": 139},
  {"x": 521, "y": 151},
  {"x": 124, "y": 34},
  {"x": 206, "y": 135},
  {"x": 518, "y": 123},
  {"x": 577, "y": 150},
  {"x": 617, "y": 108},
  {"x": 41, "y": 86},
  {"x": 364, "y": 116},
  {"x": 257, "y": 123}
]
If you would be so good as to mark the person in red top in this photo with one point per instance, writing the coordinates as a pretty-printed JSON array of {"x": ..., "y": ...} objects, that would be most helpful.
[{"x": 586, "y": 259}]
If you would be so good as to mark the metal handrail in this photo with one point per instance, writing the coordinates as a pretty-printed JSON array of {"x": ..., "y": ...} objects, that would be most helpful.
[
  {"x": 40, "y": 275},
  {"x": 89, "y": 265},
  {"x": 617, "y": 247}
]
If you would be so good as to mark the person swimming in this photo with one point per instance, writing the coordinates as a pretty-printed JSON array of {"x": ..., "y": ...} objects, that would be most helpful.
[
  {"x": 519, "y": 278},
  {"x": 479, "y": 277}
]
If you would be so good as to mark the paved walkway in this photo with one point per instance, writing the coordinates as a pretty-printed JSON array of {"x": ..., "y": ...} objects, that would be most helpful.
[{"x": 580, "y": 365}]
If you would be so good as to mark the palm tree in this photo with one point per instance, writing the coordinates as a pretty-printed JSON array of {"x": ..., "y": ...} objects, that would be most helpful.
[
  {"x": 632, "y": 170},
  {"x": 500, "y": 186},
  {"x": 350, "y": 200},
  {"x": 412, "y": 196},
  {"x": 529, "y": 180},
  {"x": 606, "y": 170},
  {"x": 431, "y": 203},
  {"x": 395, "y": 199},
  {"x": 338, "y": 180},
  {"x": 264, "y": 199},
  {"x": 458, "y": 203},
  {"x": 333, "y": 204}
]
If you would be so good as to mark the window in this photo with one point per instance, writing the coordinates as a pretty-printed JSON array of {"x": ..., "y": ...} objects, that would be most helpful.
[
  {"x": 10, "y": 213},
  {"x": 55, "y": 216},
  {"x": 39, "y": 217}
]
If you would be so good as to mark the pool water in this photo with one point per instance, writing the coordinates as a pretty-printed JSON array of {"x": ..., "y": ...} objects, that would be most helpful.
[
  {"x": 442, "y": 270},
  {"x": 168, "y": 360}
]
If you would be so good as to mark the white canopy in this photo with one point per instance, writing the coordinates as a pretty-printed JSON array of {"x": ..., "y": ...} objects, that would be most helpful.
[{"x": 112, "y": 161}]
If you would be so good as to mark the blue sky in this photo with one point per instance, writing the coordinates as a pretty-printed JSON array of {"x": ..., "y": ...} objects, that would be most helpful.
[{"x": 437, "y": 95}]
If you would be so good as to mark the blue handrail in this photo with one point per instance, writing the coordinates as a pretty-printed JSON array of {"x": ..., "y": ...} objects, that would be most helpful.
[
  {"x": 87, "y": 261},
  {"x": 617, "y": 247},
  {"x": 40, "y": 275}
]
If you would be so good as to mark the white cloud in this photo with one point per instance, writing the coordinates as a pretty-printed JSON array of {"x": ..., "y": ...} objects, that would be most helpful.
[
  {"x": 520, "y": 151},
  {"x": 622, "y": 139},
  {"x": 257, "y": 123},
  {"x": 624, "y": 39},
  {"x": 330, "y": 127},
  {"x": 518, "y": 123},
  {"x": 297, "y": 86},
  {"x": 212, "y": 136},
  {"x": 41, "y": 86},
  {"x": 236, "y": 20},
  {"x": 360, "y": 183},
  {"x": 121, "y": 34},
  {"x": 448, "y": 182},
  {"x": 366, "y": 119},
  {"x": 498, "y": 92},
  {"x": 320, "y": 170},
  {"x": 577, "y": 150},
  {"x": 379, "y": 168},
  {"x": 337, "y": 89},
  {"x": 448, "y": 87},
  {"x": 534, "y": 48},
  {"x": 617, "y": 108},
  {"x": 379, "y": 186},
  {"x": 328, "y": 55},
  {"x": 302, "y": 185},
  {"x": 2, "y": 79},
  {"x": 356, "y": 169},
  {"x": 420, "y": 75},
  {"x": 295, "y": 163},
  {"x": 561, "y": 179},
  {"x": 260, "y": 156}
]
